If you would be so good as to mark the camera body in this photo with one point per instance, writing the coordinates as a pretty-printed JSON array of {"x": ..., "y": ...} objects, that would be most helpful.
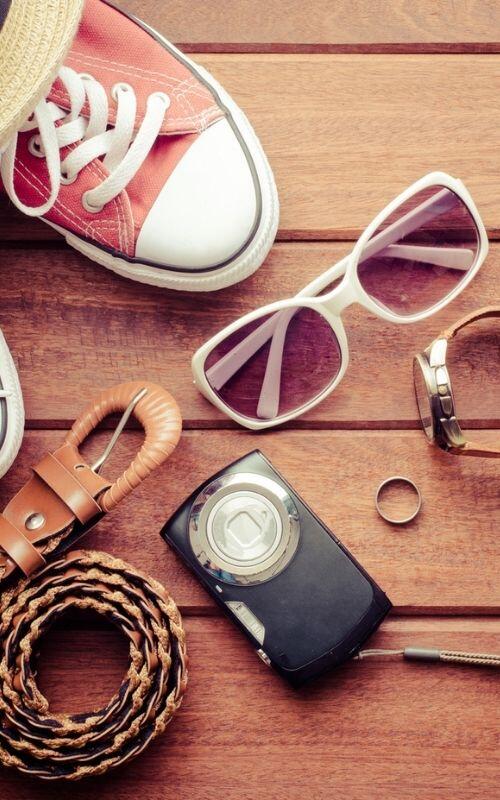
[{"x": 285, "y": 580}]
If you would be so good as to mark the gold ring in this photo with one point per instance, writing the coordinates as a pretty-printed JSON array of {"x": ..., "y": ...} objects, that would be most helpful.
[{"x": 408, "y": 482}]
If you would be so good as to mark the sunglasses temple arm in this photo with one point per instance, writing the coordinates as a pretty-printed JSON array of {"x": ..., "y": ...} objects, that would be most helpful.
[
  {"x": 232, "y": 361},
  {"x": 425, "y": 212},
  {"x": 269, "y": 398},
  {"x": 414, "y": 219},
  {"x": 450, "y": 257},
  {"x": 224, "y": 369},
  {"x": 459, "y": 258}
]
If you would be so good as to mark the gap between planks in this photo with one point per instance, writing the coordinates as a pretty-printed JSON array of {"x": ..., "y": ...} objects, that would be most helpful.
[
  {"x": 297, "y": 425},
  {"x": 397, "y": 621},
  {"x": 376, "y": 48}
]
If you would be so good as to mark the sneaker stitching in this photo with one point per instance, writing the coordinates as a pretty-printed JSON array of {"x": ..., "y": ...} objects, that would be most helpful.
[
  {"x": 121, "y": 234},
  {"x": 85, "y": 56},
  {"x": 172, "y": 82},
  {"x": 125, "y": 228},
  {"x": 99, "y": 171},
  {"x": 85, "y": 227},
  {"x": 190, "y": 83},
  {"x": 202, "y": 117},
  {"x": 200, "y": 120},
  {"x": 183, "y": 101}
]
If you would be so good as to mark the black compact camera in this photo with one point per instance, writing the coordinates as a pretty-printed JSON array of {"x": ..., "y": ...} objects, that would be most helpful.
[{"x": 295, "y": 591}]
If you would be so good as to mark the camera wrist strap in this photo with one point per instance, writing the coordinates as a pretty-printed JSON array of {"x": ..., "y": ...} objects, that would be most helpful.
[{"x": 437, "y": 654}]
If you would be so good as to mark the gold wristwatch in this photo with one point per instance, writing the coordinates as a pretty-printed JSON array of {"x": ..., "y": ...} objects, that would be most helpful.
[{"x": 434, "y": 393}]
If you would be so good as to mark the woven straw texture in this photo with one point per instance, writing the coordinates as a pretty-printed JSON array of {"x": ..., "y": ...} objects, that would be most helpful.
[
  {"x": 63, "y": 746},
  {"x": 34, "y": 40}
]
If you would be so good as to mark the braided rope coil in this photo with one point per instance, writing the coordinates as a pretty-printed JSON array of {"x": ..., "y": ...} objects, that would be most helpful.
[{"x": 73, "y": 746}]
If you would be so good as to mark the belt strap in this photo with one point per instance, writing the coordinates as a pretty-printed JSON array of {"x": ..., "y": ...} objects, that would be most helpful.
[
  {"x": 62, "y": 491},
  {"x": 19, "y": 548},
  {"x": 67, "y": 486}
]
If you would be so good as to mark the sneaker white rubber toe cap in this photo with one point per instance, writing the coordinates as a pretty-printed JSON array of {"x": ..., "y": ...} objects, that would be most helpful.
[
  {"x": 208, "y": 209},
  {"x": 11, "y": 409}
]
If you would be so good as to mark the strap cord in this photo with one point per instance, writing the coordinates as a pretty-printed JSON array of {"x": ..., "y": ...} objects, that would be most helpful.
[{"x": 434, "y": 655}]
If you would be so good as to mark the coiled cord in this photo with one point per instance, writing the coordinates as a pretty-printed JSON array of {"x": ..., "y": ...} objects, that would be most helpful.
[{"x": 72, "y": 746}]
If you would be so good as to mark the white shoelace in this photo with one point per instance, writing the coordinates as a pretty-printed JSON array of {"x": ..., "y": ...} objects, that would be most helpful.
[{"x": 123, "y": 148}]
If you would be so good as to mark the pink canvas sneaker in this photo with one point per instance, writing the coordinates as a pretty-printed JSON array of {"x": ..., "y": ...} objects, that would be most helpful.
[{"x": 143, "y": 162}]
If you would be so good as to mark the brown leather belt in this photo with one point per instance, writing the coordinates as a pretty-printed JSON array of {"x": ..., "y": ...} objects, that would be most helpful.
[
  {"x": 63, "y": 499},
  {"x": 66, "y": 496},
  {"x": 73, "y": 746}
]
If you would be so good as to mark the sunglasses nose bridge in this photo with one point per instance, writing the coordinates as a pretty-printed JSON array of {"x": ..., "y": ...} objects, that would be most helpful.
[{"x": 341, "y": 297}]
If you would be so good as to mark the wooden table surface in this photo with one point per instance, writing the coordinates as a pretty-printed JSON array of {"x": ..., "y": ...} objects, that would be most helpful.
[{"x": 352, "y": 101}]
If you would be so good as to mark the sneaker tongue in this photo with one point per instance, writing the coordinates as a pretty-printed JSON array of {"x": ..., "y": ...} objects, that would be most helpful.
[{"x": 115, "y": 49}]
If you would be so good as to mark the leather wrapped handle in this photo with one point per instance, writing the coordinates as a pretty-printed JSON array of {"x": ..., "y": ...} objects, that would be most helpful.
[{"x": 158, "y": 414}]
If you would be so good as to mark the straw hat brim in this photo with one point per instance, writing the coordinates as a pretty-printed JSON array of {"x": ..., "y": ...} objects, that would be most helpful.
[{"x": 34, "y": 40}]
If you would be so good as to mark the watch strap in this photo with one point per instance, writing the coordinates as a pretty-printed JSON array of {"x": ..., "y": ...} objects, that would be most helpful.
[
  {"x": 476, "y": 449},
  {"x": 473, "y": 316},
  {"x": 471, "y": 448}
]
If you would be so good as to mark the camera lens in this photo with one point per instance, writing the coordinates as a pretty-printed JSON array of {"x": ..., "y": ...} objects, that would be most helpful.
[{"x": 244, "y": 527}]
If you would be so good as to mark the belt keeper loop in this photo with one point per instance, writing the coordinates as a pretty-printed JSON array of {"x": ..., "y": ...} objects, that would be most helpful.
[{"x": 68, "y": 488}]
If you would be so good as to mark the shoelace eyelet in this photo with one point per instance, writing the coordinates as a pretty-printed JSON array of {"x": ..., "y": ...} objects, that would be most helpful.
[
  {"x": 120, "y": 87},
  {"x": 66, "y": 179},
  {"x": 35, "y": 147},
  {"x": 163, "y": 96},
  {"x": 88, "y": 206},
  {"x": 128, "y": 145}
]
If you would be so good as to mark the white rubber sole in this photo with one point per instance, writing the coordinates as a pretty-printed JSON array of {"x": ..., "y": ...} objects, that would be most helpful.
[
  {"x": 244, "y": 264},
  {"x": 15, "y": 409}
]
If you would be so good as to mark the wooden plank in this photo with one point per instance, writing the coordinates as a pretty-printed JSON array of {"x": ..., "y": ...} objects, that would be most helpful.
[
  {"x": 84, "y": 329},
  {"x": 379, "y": 728},
  {"x": 444, "y": 562},
  {"x": 346, "y": 133},
  {"x": 323, "y": 26}
]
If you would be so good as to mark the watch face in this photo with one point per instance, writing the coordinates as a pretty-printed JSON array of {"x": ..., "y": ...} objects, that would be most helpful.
[{"x": 423, "y": 396}]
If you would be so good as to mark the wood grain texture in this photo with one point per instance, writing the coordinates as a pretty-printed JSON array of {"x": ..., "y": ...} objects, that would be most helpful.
[
  {"x": 346, "y": 133},
  {"x": 327, "y": 26},
  {"x": 86, "y": 329},
  {"x": 379, "y": 728},
  {"x": 446, "y": 561}
]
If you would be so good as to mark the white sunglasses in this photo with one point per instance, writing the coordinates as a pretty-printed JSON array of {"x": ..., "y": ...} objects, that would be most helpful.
[{"x": 416, "y": 256}]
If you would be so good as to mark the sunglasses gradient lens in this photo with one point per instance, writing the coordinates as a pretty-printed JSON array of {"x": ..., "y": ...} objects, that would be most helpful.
[
  {"x": 275, "y": 364},
  {"x": 423, "y": 251}
]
